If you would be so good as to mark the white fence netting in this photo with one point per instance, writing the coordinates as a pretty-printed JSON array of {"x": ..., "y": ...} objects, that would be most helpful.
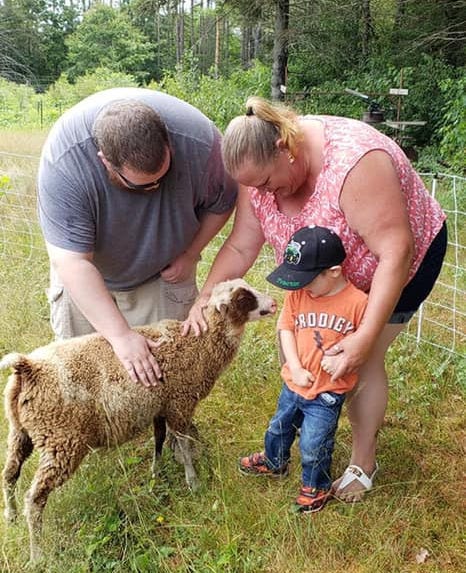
[{"x": 440, "y": 322}]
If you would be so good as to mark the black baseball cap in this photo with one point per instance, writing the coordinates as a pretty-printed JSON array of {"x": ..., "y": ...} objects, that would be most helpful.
[{"x": 310, "y": 251}]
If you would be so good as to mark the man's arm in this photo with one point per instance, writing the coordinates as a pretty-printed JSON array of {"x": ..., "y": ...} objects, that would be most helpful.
[
  {"x": 181, "y": 268},
  {"x": 87, "y": 288}
]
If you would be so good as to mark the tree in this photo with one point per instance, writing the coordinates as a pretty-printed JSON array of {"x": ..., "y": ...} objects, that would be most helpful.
[
  {"x": 280, "y": 50},
  {"x": 367, "y": 28},
  {"x": 32, "y": 39},
  {"x": 433, "y": 27},
  {"x": 106, "y": 38},
  {"x": 252, "y": 16}
]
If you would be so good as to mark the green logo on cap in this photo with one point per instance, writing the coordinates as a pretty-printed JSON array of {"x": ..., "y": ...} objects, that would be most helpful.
[
  {"x": 292, "y": 253},
  {"x": 288, "y": 283}
]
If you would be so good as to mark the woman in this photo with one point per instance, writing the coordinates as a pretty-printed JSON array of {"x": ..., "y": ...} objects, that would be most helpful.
[{"x": 343, "y": 174}]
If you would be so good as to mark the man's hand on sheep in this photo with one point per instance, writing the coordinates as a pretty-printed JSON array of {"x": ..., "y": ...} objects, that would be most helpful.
[{"x": 134, "y": 352}]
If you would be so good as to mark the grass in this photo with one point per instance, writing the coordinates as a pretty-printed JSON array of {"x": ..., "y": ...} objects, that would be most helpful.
[{"x": 113, "y": 517}]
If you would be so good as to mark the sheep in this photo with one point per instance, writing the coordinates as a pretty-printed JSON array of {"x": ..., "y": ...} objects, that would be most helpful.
[{"x": 73, "y": 396}]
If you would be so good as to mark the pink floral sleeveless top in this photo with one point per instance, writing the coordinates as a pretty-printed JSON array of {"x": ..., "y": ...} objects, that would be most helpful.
[{"x": 346, "y": 142}]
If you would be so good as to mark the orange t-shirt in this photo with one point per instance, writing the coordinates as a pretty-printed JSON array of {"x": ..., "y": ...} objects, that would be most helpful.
[{"x": 318, "y": 323}]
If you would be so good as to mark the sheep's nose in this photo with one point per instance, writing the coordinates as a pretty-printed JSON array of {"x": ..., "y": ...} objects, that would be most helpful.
[{"x": 272, "y": 309}]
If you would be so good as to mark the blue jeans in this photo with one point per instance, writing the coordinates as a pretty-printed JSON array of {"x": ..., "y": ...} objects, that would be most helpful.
[{"x": 318, "y": 420}]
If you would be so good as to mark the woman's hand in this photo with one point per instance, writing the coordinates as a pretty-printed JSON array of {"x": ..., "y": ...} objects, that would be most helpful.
[
  {"x": 347, "y": 356},
  {"x": 196, "y": 321},
  {"x": 134, "y": 352},
  {"x": 329, "y": 364}
]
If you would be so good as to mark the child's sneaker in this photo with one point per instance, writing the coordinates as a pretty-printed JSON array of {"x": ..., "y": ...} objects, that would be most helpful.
[
  {"x": 256, "y": 464},
  {"x": 311, "y": 499}
]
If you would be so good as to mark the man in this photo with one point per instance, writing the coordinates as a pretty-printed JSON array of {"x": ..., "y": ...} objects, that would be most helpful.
[{"x": 131, "y": 188}]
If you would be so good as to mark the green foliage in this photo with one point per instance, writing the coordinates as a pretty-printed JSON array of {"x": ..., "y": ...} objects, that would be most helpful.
[
  {"x": 326, "y": 43},
  {"x": 453, "y": 124},
  {"x": 21, "y": 106},
  {"x": 16, "y": 101},
  {"x": 32, "y": 39},
  {"x": 63, "y": 94},
  {"x": 332, "y": 46},
  {"x": 426, "y": 100},
  {"x": 220, "y": 100},
  {"x": 106, "y": 38},
  {"x": 5, "y": 184}
]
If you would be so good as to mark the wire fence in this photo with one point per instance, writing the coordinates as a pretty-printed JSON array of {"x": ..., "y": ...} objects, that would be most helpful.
[{"x": 440, "y": 322}]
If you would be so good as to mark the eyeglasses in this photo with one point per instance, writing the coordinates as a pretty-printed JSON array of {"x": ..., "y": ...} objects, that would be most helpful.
[{"x": 145, "y": 187}]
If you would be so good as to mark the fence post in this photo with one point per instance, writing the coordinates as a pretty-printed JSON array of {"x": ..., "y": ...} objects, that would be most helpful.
[
  {"x": 433, "y": 190},
  {"x": 40, "y": 109}
]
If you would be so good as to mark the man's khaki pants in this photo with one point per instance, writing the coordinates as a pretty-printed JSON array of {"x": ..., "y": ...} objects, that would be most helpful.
[{"x": 148, "y": 303}]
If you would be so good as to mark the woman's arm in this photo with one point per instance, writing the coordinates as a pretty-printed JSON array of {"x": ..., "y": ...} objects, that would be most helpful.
[
  {"x": 375, "y": 208},
  {"x": 233, "y": 260}
]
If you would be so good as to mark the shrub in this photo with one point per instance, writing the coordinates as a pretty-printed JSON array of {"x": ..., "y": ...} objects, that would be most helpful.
[{"x": 453, "y": 124}]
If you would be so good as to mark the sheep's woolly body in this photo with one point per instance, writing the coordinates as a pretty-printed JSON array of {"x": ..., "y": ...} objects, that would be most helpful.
[
  {"x": 87, "y": 384},
  {"x": 73, "y": 396}
]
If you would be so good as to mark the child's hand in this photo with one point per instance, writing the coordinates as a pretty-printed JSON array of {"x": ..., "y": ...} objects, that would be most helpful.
[{"x": 302, "y": 377}]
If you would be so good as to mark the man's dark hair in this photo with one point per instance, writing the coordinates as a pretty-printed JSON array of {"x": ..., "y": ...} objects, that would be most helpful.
[{"x": 130, "y": 133}]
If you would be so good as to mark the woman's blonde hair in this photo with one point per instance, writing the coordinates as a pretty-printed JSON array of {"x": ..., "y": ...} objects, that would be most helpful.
[{"x": 254, "y": 135}]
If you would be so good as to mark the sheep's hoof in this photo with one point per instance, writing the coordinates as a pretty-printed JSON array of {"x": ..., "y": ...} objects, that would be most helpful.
[
  {"x": 36, "y": 559},
  {"x": 172, "y": 443},
  {"x": 194, "y": 484}
]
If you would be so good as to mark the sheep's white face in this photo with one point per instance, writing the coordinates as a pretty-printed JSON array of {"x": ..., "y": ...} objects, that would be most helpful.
[{"x": 224, "y": 293}]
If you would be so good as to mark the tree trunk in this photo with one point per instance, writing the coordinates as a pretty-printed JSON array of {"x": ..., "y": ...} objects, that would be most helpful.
[
  {"x": 192, "y": 42},
  {"x": 218, "y": 36},
  {"x": 400, "y": 13},
  {"x": 367, "y": 29},
  {"x": 280, "y": 50},
  {"x": 159, "y": 66},
  {"x": 257, "y": 37},
  {"x": 246, "y": 46},
  {"x": 226, "y": 50},
  {"x": 180, "y": 32}
]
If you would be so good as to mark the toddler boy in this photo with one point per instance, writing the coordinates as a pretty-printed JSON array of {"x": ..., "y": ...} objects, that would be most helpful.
[{"x": 321, "y": 308}]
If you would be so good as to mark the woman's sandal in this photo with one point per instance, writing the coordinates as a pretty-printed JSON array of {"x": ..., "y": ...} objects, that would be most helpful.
[{"x": 355, "y": 473}]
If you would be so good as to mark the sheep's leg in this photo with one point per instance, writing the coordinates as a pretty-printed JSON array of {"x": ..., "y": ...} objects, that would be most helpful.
[
  {"x": 160, "y": 432},
  {"x": 185, "y": 444},
  {"x": 52, "y": 472},
  {"x": 193, "y": 433},
  {"x": 18, "y": 450}
]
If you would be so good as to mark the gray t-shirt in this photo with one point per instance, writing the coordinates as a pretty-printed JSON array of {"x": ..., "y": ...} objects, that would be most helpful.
[{"x": 133, "y": 235}]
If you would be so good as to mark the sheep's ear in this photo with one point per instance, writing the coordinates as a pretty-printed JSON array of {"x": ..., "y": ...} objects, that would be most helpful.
[
  {"x": 222, "y": 309},
  {"x": 245, "y": 300},
  {"x": 242, "y": 303}
]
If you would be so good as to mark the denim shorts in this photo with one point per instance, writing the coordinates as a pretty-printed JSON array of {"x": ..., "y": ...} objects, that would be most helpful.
[{"x": 420, "y": 286}]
